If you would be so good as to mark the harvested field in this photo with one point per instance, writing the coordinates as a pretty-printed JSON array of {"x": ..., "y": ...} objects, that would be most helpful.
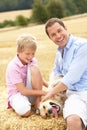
[
  {"x": 45, "y": 53},
  {"x": 11, "y": 15}
]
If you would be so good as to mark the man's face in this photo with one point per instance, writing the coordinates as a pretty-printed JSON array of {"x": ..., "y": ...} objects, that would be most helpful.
[{"x": 58, "y": 34}]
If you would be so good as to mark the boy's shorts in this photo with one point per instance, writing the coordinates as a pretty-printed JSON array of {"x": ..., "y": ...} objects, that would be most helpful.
[
  {"x": 76, "y": 103},
  {"x": 22, "y": 104}
]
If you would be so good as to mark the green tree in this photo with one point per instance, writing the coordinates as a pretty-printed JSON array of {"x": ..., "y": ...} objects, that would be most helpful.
[
  {"x": 81, "y": 5},
  {"x": 70, "y": 7},
  {"x": 21, "y": 21},
  {"x": 39, "y": 12},
  {"x": 7, "y": 5},
  {"x": 55, "y": 8}
]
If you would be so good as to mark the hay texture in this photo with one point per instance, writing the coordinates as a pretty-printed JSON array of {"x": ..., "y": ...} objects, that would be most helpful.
[{"x": 9, "y": 120}]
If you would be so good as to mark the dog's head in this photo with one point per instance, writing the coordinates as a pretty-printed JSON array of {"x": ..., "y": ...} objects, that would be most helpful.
[
  {"x": 53, "y": 106},
  {"x": 50, "y": 108}
]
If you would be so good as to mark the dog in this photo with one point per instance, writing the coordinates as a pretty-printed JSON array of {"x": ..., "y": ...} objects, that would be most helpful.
[{"x": 53, "y": 107}]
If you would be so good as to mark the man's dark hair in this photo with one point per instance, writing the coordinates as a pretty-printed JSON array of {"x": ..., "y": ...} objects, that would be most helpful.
[{"x": 51, "y": 21}]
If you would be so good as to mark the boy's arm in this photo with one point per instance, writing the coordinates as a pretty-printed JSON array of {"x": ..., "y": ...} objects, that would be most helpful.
[{"x": 28, "y": 92}]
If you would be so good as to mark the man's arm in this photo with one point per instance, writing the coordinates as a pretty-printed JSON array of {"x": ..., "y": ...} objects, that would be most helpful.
[{"x": 60, "y": 87}]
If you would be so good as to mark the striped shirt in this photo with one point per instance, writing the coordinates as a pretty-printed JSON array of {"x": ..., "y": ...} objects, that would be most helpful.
[{"x": 16, "y": 73}]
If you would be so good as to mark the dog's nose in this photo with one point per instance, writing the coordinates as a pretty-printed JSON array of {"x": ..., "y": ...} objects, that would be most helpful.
[{"x": 50, "y": 111}]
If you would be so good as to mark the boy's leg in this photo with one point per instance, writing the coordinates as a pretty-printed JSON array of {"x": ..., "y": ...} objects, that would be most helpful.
[
  {"x": 20, "y": 104},
  {"x": 34, "y": 81},
  {"x": 37, "y": 82}
]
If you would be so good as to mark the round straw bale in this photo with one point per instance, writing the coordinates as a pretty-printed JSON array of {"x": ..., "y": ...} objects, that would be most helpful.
[{"x": 9, "y": 120}]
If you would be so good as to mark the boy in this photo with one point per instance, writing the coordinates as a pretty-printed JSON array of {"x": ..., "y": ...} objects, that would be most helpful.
[{"x": 23, "y": 77}]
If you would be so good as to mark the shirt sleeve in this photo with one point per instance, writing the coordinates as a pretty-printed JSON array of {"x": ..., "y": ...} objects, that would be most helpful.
[
  {"x": 34, "y": 62},
  {"x": 77, "y": 68},
  {"x": 13, "y": 76}
]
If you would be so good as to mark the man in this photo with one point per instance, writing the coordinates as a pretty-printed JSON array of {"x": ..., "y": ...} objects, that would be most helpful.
[{"x": 71, "y": 64}]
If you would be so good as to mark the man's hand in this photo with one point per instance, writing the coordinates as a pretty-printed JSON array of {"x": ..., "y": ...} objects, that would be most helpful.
[{"x": 48, "y": 95}]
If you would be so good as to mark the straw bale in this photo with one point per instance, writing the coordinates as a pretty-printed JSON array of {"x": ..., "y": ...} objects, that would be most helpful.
[{"x": 9, "y": 120}]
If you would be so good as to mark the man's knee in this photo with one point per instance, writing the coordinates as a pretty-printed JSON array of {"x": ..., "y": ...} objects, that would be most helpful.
[{"x": 74, "y": 119}]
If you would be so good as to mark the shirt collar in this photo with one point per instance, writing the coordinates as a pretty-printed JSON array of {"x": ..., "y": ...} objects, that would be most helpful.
[
  {"x": 18, "y": 62},
  {"x": 70, "y": 42}
]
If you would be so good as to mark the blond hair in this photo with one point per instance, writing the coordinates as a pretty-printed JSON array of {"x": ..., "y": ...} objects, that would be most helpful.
[{"x": 26, "y": 41}]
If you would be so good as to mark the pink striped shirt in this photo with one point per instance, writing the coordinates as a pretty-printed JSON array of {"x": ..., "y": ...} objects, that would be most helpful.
[{"x": 16, "y": 73}]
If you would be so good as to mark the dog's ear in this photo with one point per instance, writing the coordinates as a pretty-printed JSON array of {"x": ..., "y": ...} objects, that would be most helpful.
[
  {"x": 63, "y": 96},
  {"x": 53, "y": 104},
  {"x": 44, "y": 107}
]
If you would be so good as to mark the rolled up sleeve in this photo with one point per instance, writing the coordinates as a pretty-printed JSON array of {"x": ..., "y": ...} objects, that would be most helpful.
[{"x": 77, "y": 68}]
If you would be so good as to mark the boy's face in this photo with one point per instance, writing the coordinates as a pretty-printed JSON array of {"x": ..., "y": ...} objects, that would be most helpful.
[{"x": 26, "y": 55}]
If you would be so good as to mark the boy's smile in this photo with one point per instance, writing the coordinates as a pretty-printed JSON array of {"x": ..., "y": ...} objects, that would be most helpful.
[{"x": 26, "y": 55}]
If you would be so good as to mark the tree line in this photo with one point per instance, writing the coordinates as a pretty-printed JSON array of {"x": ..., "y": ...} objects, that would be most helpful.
[
  {"x": 45, "y": 9},
  {"x": 69, "y": 6},
  {"x": 42, "y": 10},
  {"x": 9, "y": 5}
]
